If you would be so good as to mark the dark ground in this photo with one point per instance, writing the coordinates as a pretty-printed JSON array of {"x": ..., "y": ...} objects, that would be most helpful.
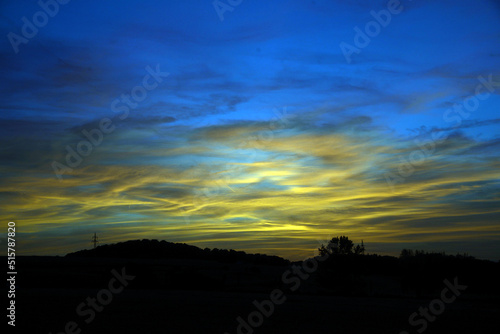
[
  {"x": 159, "y": 311},
  {"x": 197, "y": 296}
]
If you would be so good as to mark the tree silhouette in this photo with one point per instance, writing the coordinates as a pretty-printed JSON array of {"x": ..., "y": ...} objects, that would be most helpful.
[
  {"x": 406, "y": 253},
  {"x": 341, "y": 246},
  {"x": 360, "y": 249}
]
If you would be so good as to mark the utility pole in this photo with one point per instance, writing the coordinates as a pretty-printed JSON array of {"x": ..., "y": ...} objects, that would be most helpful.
[{"x": 94, "y": 240}]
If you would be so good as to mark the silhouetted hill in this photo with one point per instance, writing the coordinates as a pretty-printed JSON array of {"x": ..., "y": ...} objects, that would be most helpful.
[
  {"x": 154, "y": 249},
  {"x": 187, "y": 289}
]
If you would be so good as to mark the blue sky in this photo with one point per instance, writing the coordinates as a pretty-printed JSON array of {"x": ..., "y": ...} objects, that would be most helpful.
[{"x": 263, "y": 136}]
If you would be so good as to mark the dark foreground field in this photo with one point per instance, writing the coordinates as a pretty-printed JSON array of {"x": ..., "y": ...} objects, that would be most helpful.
[
  {"x": 199, "y": 296},
  {"x": 159, "y": 311}
]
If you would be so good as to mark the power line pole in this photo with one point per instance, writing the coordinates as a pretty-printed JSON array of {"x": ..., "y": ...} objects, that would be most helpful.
[{"x": 95, "y": 240}]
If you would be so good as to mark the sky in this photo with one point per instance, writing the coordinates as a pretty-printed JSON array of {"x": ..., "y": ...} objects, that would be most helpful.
[{"x": 263, "y": 126}]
